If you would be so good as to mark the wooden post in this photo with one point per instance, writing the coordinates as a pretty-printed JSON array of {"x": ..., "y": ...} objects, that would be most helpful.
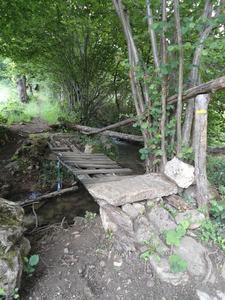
[{"x": 200, "y": 145}]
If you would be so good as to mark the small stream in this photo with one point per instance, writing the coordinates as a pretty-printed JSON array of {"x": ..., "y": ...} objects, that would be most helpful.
[{"x": 75, "y": 204}]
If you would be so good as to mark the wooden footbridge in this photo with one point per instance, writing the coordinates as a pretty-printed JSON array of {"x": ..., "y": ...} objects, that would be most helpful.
[{"x": 88, "y": 168}]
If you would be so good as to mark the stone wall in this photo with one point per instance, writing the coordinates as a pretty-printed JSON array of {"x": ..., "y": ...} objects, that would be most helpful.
[{"x": 13, "y": 246}]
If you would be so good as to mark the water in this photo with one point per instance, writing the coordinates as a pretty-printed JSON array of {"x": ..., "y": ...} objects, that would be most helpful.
[{"x": 128, "y": 156}]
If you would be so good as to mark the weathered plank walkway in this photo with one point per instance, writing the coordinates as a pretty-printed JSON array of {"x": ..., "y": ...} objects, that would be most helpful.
[{"x": 89, "y": 169}]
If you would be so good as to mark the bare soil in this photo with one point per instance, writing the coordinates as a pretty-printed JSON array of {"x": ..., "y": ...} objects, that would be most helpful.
[{"x": 79, "y": 262}]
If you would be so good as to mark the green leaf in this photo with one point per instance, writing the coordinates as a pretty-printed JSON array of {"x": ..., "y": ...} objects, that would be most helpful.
[
  {"x": 34, "y": 260},
  {"x": 145, "y": 255},
  {"x": 177, "y": 264},
  {"x": 2, "y": 292},
  {"x": 172, "y": 238}
]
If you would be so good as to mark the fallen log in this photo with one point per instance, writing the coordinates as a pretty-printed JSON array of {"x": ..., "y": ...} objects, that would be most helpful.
[
  {"x": 119, "y": 135},
  {"x": 204, "y": 88},
  {"x": 47, "y": 196},
  {"x": 216, "y": 150},
  {"x": 115, "y": 125}
]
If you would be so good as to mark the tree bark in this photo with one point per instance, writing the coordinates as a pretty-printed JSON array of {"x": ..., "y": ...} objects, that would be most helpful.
[
  {"x": 152, "y": 35},
  {"x": 115, "y": 125},
  {"x": 181, "y": 70},
  {"x": 204, "y": 88},
  {"x": 48, "y": 196},
  {"x": 207, "y": 13},
  {"x": 139, "y": 88},
  {"x": 22, "y": 89},
  {"x": 164, "y": 89},
  {"x": 119, "y": 135},
  {"x": 200, "y": 145}
]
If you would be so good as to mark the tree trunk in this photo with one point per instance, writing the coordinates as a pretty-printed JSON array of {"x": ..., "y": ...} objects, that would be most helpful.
[
  {"x": 22, "y": 89},
  {"x": 164, "y": 88},
  {"x": 208, "y": 13},
  {"x": 181, "y": 68},
  {"x": 200, "y": 145},
  {"x": 138, "y": 86}
]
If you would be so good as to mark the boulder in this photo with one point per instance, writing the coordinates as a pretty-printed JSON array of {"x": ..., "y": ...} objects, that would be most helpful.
[
  {"x": 161, "y": 219},
  {"x": 133, "y": 210},
  {"x": 193, "y": 216},
  {"x": 13, "y": 246},
  {"x": 162, "y": 269},
  {"x": 120, "y": 224},
  {"x": 147, "y": 237},
  {"x": 193, "y": 252},
  {"x": 179, "y": 172},
  {"x": 133, "y": 189}
]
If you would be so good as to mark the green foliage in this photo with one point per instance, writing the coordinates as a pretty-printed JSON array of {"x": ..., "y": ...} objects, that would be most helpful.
[
  {"x": 177, "y": 264},
  {"x": 109, "y": 234},
  {"x": 213, "y": 232},
  {"x": 2, "y": 293},
  {"x": 14, "y": 296},
  {"x": 13, "y": 112},
  {"x": 174, "y": 236},
  {"x": 217, "y": 211},
  {"x": 89, "y": 216},
  {"x": 31, "y": 263},
  {"x": 216, "y": 170},
  {"x": 187, "y": 154}
]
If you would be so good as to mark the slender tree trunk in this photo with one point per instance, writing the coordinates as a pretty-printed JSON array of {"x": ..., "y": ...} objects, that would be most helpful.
[
  {"x": 139, "y": 88},
  {"x": 22, "y": 89},
  {"x": 207, "y": 13},
  {"x": 181, "y": 70},
  {"x": 152, "y": 35},
  {"x": 164, "y": 89},
  {"x": 200, "y": 145}
]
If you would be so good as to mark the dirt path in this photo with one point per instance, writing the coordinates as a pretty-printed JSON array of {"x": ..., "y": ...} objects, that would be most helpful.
[
  {"x": 37, "y": 125},
  {"x": 80, "y": 263}
]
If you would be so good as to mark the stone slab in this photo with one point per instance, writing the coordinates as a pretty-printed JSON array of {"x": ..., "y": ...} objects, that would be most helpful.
[{"x": 133, "y": 189}]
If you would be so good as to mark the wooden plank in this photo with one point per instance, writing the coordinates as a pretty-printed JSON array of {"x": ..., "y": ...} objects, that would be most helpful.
[
  {"x": 89, "y": 165},
  {"x": 71, "y": 153},
  {"x": 101, "y": 171},
  {"x": 80, "y": 158},
  {"x": 60, "y": 148},
  {"x": 87, "y": 161}
]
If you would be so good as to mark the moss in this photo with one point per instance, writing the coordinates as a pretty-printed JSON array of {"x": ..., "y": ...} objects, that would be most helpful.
[
  {"x": 10, "y": 215},
  {"x": 8, "y": 257}
]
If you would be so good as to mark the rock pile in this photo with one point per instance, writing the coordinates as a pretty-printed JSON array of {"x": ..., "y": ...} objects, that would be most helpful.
[
  {"x": 138, "y": 211},
  {"x": 13, "y": 246}
]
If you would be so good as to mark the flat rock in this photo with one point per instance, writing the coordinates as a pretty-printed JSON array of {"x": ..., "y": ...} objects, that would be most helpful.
[
  {"x": 162, "y": 269},
  {"x": 193, "y": 252},
  {"x": 193, "y": 216},
  {"x": 133, "y": 189},
  {"x": 120, "y": 224},
  {"x": 161, "y": 219},
  {"x": 179, "y": 172}
]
